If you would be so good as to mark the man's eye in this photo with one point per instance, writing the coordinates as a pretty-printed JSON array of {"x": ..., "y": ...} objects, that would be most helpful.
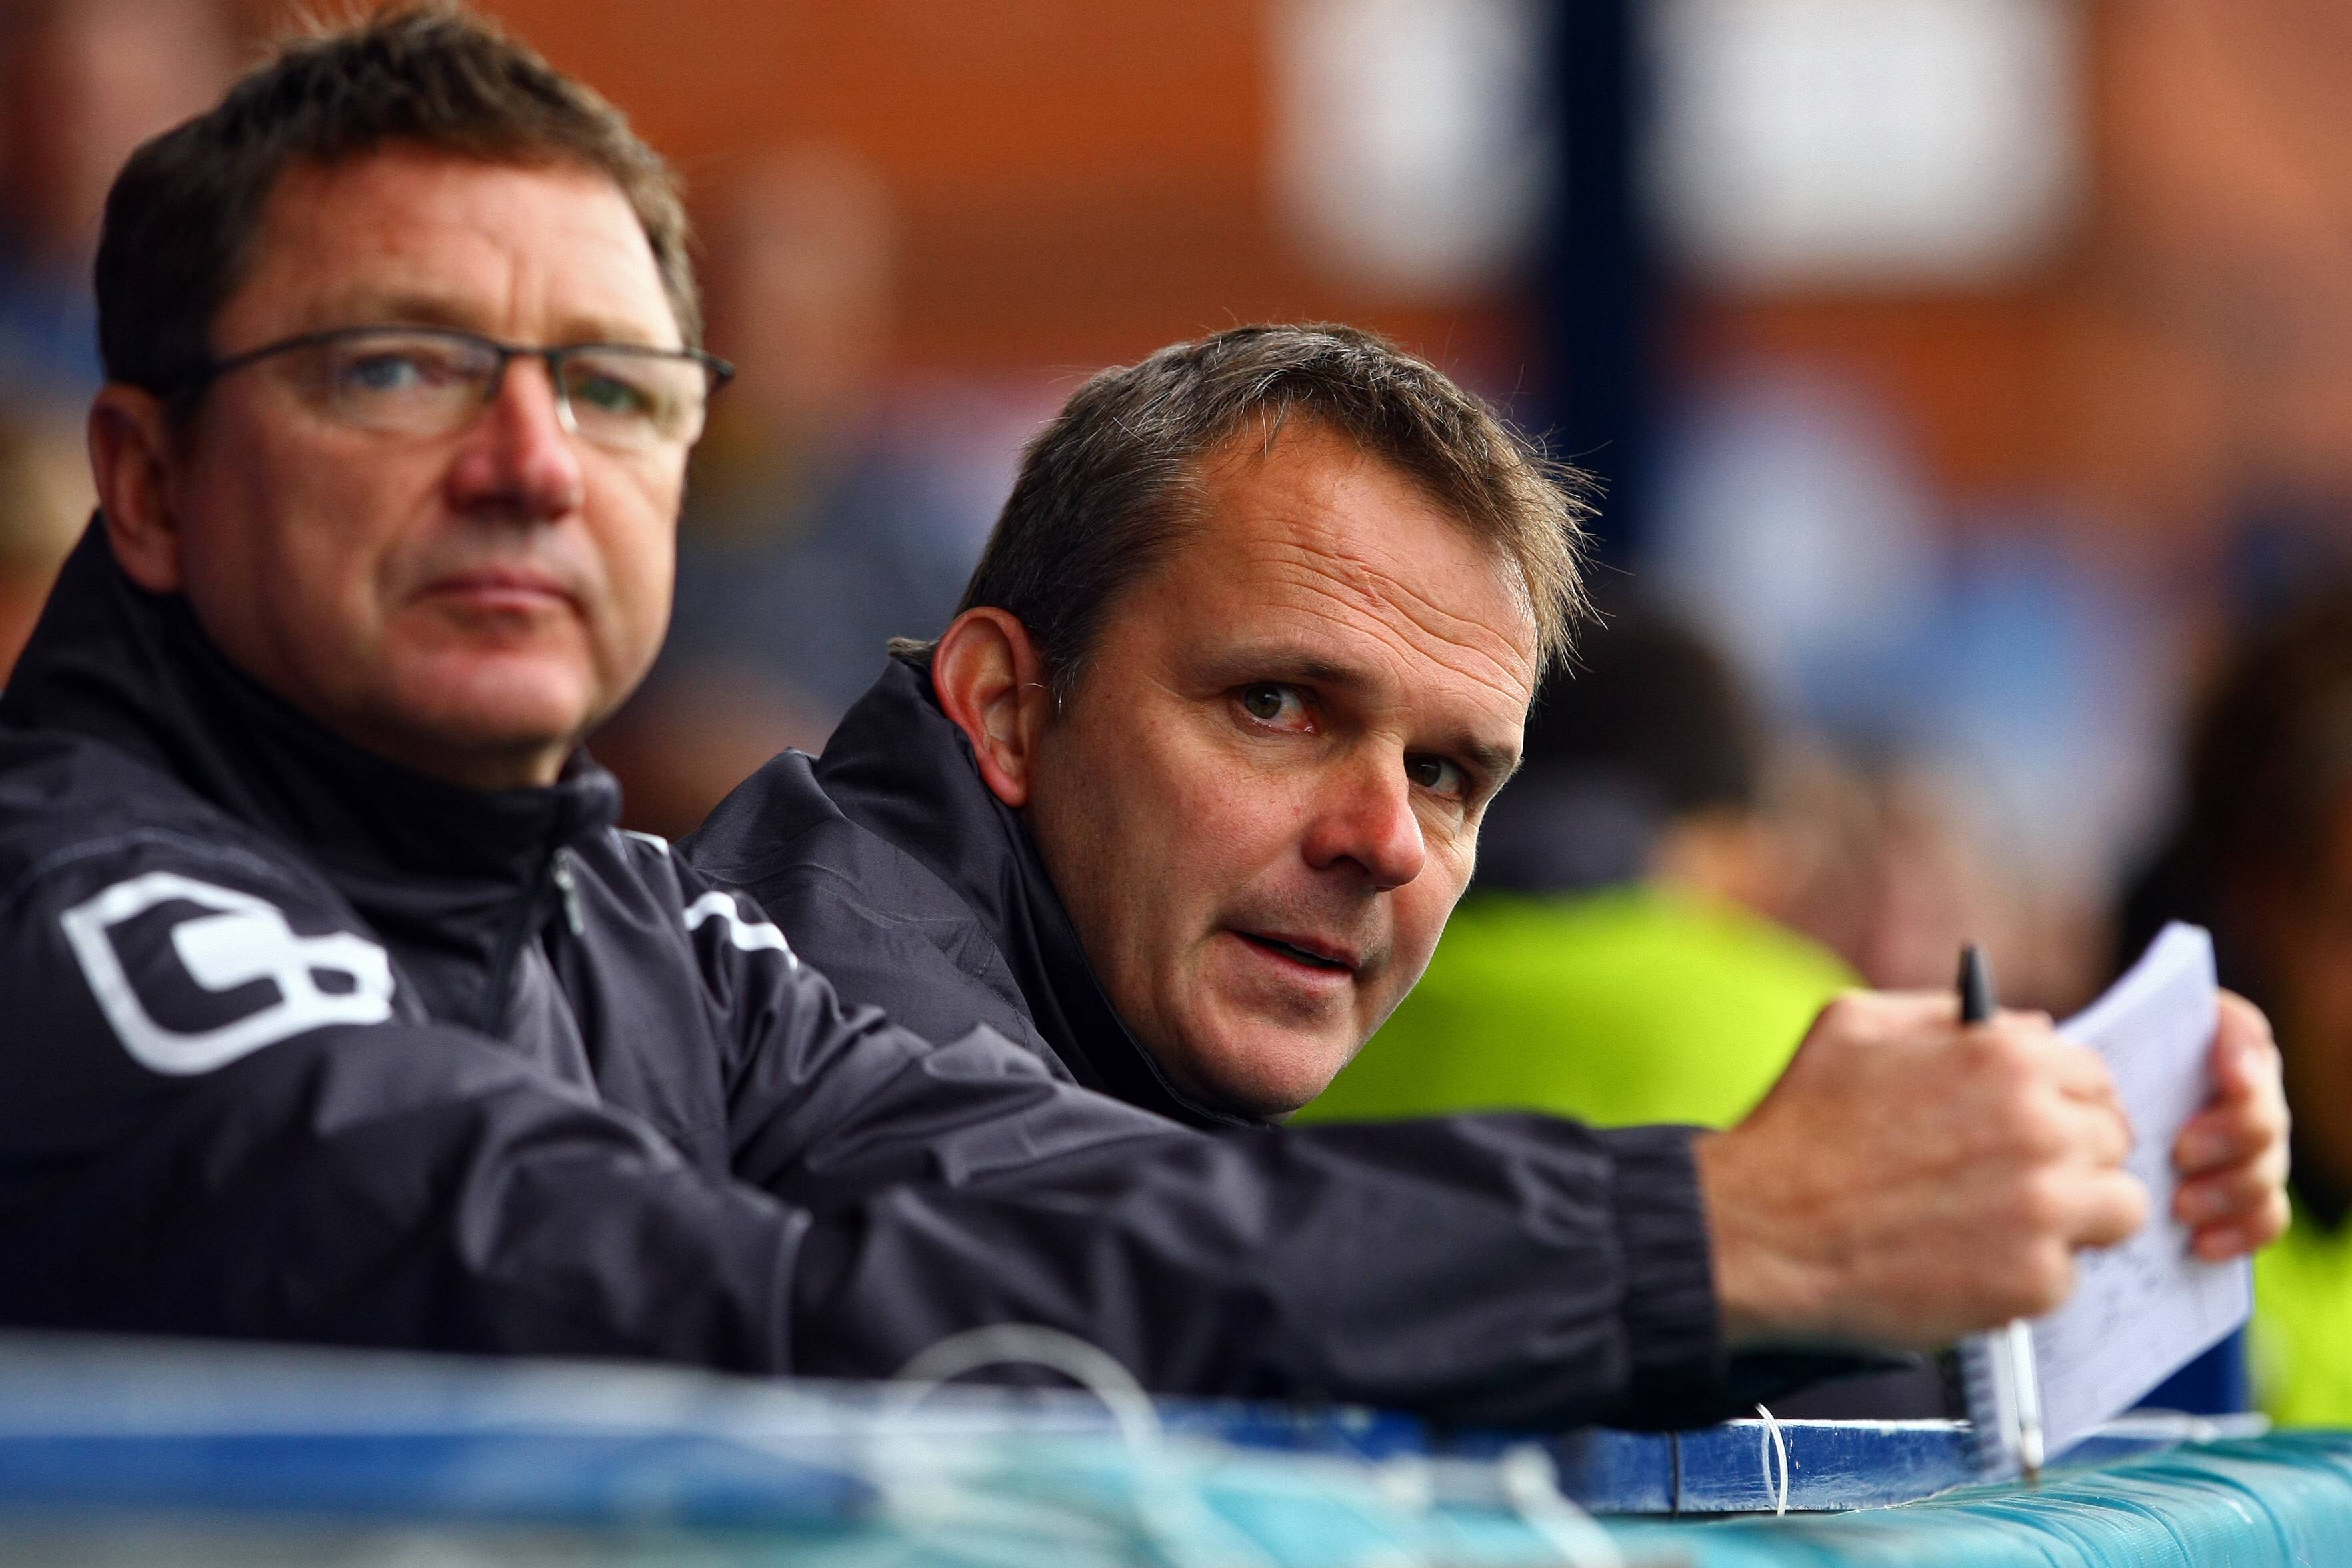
[
  {"x": 1270, "y": 703},
  {"x": 611, "y": 394},
  {"x": 387, "y": 372},
  {"x": 1438, "y": 777}
]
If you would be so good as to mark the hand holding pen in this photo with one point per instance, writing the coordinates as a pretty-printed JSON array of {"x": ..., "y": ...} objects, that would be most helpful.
[
  {"x": 1912, "y": 1180},
  {"x": 2014, "y": 1344}
]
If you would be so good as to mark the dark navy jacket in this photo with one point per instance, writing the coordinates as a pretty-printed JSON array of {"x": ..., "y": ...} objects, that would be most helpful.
[{"x": 918, "y": 884}]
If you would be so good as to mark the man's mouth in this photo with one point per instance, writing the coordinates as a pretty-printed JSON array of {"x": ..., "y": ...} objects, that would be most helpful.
[
  {"x": 501, "y": 588},
  {"x": 1303, "y": 951}
]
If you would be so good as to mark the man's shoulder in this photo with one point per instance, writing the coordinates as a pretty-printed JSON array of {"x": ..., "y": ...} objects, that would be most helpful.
[
  {"x": 783, "y": 840},
  {"x": 884, "y": 928},
  {"x": 71, "y": 807},
  {"x": 649, "y": 892},
  {"x": 134, "y": 914},
  {"x": 777, "y": 815},
  {"x": 52, "y": 781}
]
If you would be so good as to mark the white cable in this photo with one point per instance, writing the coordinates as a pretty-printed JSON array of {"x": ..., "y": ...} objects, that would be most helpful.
[
  {"x": 1168, "y": 1503},
  {"x": 1774, "y": 1444},
  {"x": 1026, "y": 1344}
]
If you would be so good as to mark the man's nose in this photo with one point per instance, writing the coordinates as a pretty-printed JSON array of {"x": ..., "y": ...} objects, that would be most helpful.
[
  {"x": 517, "y": 457},
  {"x": 1365, "y": 817}
]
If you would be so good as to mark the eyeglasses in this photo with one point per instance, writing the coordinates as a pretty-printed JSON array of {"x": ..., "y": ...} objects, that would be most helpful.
[{"x": 435, "y": 381}]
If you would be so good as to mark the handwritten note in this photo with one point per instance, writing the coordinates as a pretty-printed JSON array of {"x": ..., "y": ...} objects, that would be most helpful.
[{"x": 2144, "y": 1308}]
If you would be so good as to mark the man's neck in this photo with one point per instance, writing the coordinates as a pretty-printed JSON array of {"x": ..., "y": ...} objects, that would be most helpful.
[{"x": 486, "y": 768}]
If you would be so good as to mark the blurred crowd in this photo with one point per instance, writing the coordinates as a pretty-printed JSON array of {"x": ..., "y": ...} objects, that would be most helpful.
[
  {"x": 1840, "y": 716},
  {"x": 82, "y": 83}
]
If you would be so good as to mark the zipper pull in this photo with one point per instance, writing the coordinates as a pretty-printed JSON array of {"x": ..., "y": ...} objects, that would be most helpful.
[{"x": 569, "y": 886}]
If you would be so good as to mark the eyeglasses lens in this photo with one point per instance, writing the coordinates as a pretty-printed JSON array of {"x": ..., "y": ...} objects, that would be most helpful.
[
  {"x": 415, "y": 383},
  {"x": 436, "y": 384},
  {"x": 622, "y": 398}
]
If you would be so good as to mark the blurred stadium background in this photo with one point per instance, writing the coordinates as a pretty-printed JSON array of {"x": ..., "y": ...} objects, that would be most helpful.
[{"x": 1969, "y": 371}]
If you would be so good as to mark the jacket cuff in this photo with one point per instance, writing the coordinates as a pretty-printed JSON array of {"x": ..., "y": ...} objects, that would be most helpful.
[{"x": 1674, "y": 1333}]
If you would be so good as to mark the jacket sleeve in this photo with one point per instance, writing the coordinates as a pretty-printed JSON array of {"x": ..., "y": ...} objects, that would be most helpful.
[
  {"x": 1488, "y": 1268},
  {"x": 218, "y": 1115}
]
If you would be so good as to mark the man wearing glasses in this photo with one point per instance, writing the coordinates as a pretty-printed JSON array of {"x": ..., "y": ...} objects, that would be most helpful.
[{"x": 337, "y": 1008}]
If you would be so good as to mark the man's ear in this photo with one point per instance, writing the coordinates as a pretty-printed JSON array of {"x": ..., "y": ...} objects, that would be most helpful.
[
  {"x": 131, "y": 458},
  {"x": 990, "y": 682}
]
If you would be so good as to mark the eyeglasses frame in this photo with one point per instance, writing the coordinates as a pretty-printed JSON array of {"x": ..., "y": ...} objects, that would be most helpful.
[{"x": 717, "y": 370}]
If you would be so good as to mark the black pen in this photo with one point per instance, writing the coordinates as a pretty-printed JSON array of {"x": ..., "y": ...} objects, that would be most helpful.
[{"x": 2025, "y": 1380}]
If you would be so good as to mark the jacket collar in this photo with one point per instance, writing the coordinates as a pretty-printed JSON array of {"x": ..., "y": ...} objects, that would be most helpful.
[
  {"x": 900, "y": 768},
  {"x": 132, "y": 670}
]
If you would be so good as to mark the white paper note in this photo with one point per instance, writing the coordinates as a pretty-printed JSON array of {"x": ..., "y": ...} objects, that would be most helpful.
[{"x": 2144, "y": 1308}]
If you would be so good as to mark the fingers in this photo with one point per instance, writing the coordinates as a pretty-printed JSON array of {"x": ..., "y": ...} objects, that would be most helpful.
[
  {"x": 2088, "y": 1210},
  {"x": 2226, "y": 1194},
  {"x": 2224, "y": 1136},
  {"x": 2221, "y": 1243},
  {"x": 2109, "y": 1206},
  {"x": 2038, "y": 1097},
  {"x": 2256, "y": 1219},
  {"x": 2236, "y": 1210},
  {"x": 2080, "y": 1074},
  {"x": 2075, "y": 1070},
  {"x": 2063, "y": 1085},
  {"x": 2246, "y": 1121},
  {"x": 2103, "y": 1134},
  {"x": 2233, "y": 1154}
]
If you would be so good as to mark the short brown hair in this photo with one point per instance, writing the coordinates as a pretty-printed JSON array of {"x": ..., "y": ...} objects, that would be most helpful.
[
  {"x": 1104, "y": 489},
  {"x": 180, "y": 218}
]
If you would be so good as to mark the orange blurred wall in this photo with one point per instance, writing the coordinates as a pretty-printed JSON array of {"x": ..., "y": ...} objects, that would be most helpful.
[{"x": 1078, "y": 182}]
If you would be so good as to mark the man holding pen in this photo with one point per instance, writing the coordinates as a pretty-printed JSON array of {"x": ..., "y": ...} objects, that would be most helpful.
[
  {"x": 1183, "y": 797},
  {"x": 338, "y": 1010}
]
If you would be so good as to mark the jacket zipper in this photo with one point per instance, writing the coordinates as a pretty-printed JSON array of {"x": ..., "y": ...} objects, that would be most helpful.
[
  {"x": 534, "y": 916},
  {"x": 568, "y": 887}
]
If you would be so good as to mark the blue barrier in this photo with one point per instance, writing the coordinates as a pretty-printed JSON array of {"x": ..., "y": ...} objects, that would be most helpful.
[{"x": 121, "y": 1452}]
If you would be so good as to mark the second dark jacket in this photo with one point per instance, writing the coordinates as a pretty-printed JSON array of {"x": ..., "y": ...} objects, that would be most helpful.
[
  {"x": 918, "y": 885},
  {"x": 901, "y": 876}
]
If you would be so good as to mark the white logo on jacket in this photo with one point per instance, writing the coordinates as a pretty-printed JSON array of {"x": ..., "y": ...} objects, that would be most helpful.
[
  {"x": 242, "y": 940},
  {"x": 751, "y": 936}
]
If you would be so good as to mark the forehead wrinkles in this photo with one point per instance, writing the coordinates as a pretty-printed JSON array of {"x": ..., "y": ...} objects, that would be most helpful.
[
  {"x": 494, "y": 237},
  {"x": 1360, "y": 593},
  {"x": 1308, "y": 561}
]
